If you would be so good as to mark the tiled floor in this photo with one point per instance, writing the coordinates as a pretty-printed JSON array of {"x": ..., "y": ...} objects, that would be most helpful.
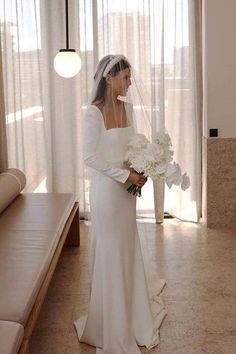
[{"x": 199, "y": 266}]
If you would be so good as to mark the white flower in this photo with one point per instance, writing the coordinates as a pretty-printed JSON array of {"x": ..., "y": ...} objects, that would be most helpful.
[
  {"x": 175, "y": 177},
  {"x": 156, "y": 151},
  {"x": 138, "y": 163},
  {"x": 129, "y": 155},
  {"x": 138, "y": 141},
  {"x": 162, "y": 152},
  {"x": 185, "y": 182},
  {"x": 170, "y": 169},
  {"x": 154, "y": 160},
  {"x": 162, "y": 138},
  {"x": 161, "y": 168}
]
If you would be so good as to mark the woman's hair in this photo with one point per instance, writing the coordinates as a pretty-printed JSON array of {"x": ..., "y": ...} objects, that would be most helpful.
[{"x": 101, "y": 85}]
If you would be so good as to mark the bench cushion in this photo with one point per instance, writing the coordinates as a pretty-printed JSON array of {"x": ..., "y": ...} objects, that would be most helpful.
[
  {"x": 29, "y": 232},
  {"x": 11, "y": 336},
  {"x": 12, "y": 181}
]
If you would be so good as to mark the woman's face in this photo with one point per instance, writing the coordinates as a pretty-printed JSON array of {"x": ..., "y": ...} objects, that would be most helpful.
[{"x": 121, "y": 82}]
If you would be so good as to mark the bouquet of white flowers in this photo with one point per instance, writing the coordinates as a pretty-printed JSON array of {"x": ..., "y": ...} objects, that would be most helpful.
[{"x": 154, "y": 160}]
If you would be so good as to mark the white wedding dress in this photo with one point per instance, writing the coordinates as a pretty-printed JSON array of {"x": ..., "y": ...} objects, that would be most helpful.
[{"x": 125, "y": 309}]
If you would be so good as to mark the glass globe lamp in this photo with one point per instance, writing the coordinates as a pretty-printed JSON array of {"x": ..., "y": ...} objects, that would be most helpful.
[{"x": 67, "y": 63}]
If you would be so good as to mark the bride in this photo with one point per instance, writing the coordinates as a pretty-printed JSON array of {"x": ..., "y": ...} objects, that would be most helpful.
[{"x": 125, "y": 310}]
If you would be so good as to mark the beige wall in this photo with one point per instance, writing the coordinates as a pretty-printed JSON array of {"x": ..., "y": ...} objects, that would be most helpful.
[
  {"x": 219, "y": 111},
  {"x": 219, "y": 22}
]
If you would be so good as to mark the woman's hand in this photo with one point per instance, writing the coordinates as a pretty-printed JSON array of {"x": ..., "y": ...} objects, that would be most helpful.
[{"x": 136, "y": 178}]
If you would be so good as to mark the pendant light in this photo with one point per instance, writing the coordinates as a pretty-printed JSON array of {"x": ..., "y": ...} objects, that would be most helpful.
[{"x": 67, "y": 62}]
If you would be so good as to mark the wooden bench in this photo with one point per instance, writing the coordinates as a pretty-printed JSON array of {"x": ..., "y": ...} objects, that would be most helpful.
[{"x": 58, "y": 214}]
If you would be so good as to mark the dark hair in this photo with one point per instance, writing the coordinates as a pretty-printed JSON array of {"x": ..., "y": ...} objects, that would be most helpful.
[{"x": 121, "y": 65}]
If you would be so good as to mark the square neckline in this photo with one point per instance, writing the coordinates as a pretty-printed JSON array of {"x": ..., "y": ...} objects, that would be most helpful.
[{"x": 101, "y": 116}]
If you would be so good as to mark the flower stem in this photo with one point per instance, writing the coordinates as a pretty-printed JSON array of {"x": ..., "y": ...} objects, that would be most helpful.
[{"x": 135, "y": 190}]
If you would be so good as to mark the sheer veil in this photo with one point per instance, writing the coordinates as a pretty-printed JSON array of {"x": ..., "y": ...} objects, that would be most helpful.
[
  {"x": 116, "y": 74},
  {"x": 137, "y": 102}
]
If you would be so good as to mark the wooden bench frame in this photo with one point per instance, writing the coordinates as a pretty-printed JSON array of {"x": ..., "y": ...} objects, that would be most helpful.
[{"x": 70, "y": 236}]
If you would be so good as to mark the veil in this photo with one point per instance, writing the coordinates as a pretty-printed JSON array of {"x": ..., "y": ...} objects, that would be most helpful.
[
  {"x": 117, "y": 93},
  {"x": 116, "y": 80}
]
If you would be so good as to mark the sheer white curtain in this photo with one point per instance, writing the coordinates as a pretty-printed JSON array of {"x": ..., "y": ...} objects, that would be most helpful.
[
  {"x": 44, "y": 111},
  {"x": 20, "y": 41},
  {"x": 182, "y": 114},
  {"x": 3, "y": 143},
  {"x": 158, "y": 37}
]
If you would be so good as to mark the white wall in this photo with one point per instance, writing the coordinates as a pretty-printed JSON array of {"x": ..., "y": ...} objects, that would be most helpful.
[{"x": 219, "y": 66}]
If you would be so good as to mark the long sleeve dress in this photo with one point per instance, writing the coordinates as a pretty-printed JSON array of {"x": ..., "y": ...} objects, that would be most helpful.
[{"x": 124, "y": 310}]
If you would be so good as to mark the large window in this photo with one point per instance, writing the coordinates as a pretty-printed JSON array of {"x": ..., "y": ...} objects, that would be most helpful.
[
  {"x": 43, "y": 130},
  {"x": 21, "y": 52}
]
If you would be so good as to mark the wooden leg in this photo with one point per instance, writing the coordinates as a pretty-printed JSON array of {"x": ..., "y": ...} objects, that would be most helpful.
[
  {"x": 24, "y": 349},
  {"x": 27, "y": 349},
  {"x": 73, "y": 236}
]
